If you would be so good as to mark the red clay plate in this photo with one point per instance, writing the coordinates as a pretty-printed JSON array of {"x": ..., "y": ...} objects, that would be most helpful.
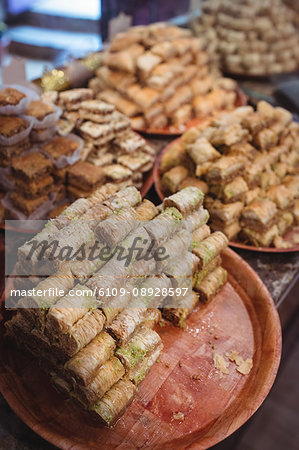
[
  {"x": 241, "y": 100},
  {"x": 288, "y": 237},
  {"x": 258, "y": 77},
  {"x": 242, "y": 317}
]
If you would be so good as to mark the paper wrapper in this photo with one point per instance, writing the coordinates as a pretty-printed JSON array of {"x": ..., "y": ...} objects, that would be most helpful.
[
  {"x": 17, "y": 137},
  {"x": 43, "y": 136},
  {"x": 38, "y": 214},
  {"x": 22, "y": 105},
  {"x": 5, "y": 181},
  {"x": 49, "y": 121}
]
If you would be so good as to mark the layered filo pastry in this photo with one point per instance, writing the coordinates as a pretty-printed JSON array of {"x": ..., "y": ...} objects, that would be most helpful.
[
  {"x": 95, "y": 349},
  {"x": 259, "y": 222},
  {"x": 109, "y": 140},
  {"x": 247, "y": 163},
  {"x": 260, "y": 214},
  {"x": 230, "y": 192}
]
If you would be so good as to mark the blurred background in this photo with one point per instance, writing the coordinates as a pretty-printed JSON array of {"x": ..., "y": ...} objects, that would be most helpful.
[{"x": 50, "y": 32}]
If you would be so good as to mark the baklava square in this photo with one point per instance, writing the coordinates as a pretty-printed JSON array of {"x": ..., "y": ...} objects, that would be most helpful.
[
  {"x": 38, "y": 109},
  {"x": 86, "y": 176},
  {"x": 32, "y": 166},
  {"x": 60, "y": 146}
]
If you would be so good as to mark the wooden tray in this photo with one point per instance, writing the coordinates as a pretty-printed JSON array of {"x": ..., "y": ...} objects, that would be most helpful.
[
  {"x": 241, "y": 100},
  {"x": 157, "y": 182},
  {"x": 242, "y": 317}
]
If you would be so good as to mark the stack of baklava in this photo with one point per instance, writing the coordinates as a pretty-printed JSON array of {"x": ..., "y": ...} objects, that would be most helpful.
[
  {"x": 248, "y": 162},
  {"x": 33, "y": 184},
  {"x": 11, "y": 129},
  {"x": 159, "y": 75},
  {"x": 92, "y": 327},
  {"x": 253, "y": 37},
  {"x": 109, "y": 141},
  {"x": 39, "y": 179},
  {"x": 43, "y": 164}
]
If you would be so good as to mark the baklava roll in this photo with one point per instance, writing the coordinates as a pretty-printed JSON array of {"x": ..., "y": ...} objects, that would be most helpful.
[
  {"x": 140, "y": 371},
  {"x": 125, "y": 323},
  {"x": 209, "y": 248},
  {"x": 201, "y": 274},
  {"x": 152, "y": 318},
  {"x": 146, "y": 210},
  {"x": 199, "y": 234},
  {"x": 81, "y": 333},
  {"x": 178, "y": 315},
  {"x": 175, "y": 248},
  {"x": 186, "y": 200},
  {"x": 196, "y": 220},
  {"x": 114, "y": 402},
  {"x": 69, "y": 309},
  {"x": 83, "y": 365},
  {"x": 105, "y": 377},
  {"x": 211, "y": 284},
  {"x": 115, "y": 228},
  {"x": 164, "y": 225},
  {"x": 129, "y": 196},
  {"x": 142, "y": 344}
]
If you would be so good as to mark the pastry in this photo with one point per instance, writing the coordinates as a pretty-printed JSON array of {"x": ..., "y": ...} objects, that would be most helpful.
[
  {"x": 60, "y": 146},
  {"x": 38, "y": 109},
  {"x": 10, "y": 96},
  {"x": 85, "y": 176},
  {"x": 31, "y": 167}
]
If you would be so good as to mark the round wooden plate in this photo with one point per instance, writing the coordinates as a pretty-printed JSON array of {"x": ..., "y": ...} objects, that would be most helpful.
[
  {"x": 158, "y": 187},
  {"x": 241, "y": 100},
  {"x": 241, "y": 317}
]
